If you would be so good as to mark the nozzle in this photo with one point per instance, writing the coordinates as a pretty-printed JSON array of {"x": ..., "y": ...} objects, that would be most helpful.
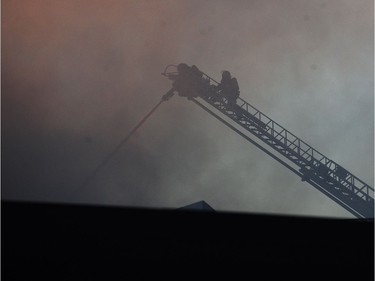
[{"x": 168, "y": 95}]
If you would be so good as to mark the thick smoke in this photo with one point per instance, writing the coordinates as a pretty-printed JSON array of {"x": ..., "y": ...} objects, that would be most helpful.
[{"x": 77, "y": 76}]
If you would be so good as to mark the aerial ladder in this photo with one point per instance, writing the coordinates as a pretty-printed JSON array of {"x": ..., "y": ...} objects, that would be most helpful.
[{"x": 310, "y": 165}]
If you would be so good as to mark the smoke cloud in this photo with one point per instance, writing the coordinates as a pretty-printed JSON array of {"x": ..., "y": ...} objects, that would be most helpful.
[{"x": 77, "y": 76}]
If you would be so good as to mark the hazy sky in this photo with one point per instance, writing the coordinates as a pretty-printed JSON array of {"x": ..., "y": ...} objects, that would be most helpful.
[{"x": 77, "y": 75}]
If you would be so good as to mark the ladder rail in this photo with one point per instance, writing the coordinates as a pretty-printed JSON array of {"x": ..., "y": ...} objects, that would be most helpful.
[
  {"x": 345, "y": 197},
  {"x": 349, "y": 207},
  {"x": 302, "y": 148},
  {"x": 305, "y": 156}
]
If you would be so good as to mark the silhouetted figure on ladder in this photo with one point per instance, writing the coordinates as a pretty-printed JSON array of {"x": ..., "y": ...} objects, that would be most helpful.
[{"x": 228, "y": 87}]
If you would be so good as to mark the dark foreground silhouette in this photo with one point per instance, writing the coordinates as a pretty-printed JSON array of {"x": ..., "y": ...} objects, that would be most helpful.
[{"x": 76, "y": 242}]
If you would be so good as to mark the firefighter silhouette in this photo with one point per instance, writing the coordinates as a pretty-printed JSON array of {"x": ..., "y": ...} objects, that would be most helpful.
[
  {"x": 228, "y": 87},
  {"x": 187, "y": 80}
]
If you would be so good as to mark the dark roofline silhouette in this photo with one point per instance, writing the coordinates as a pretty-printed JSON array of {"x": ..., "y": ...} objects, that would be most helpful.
[{"x": 198, "y": 206}]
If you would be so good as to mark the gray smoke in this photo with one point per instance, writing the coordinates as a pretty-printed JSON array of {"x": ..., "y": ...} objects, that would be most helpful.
[{"x": 77, "y": 76}]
